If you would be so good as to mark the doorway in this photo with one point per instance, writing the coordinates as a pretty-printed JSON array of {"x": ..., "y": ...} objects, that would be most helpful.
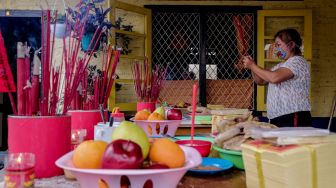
[
  {"x": 201, "y": 44},
  {"x": 18, "y": 26}
]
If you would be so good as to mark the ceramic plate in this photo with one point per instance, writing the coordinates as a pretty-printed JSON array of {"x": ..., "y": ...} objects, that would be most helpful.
[{"x": 211, "y": 166}]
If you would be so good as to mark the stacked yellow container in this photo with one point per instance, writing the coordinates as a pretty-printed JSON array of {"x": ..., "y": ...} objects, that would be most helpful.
[{"x": 293, "y": 166}]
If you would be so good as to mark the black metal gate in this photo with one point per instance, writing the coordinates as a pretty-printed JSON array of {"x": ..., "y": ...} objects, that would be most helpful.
[{"x": 205, "y": 47}]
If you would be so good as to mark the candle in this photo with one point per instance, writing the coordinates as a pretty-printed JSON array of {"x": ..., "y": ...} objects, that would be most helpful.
[
  {"x": 19, "y": 170},
  {"x": 77, "y": 137},
  {"x": 194, "y": 96}
]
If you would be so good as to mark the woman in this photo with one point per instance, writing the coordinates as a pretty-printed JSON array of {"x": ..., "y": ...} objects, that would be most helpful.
[{"x": 288, "y": 82}]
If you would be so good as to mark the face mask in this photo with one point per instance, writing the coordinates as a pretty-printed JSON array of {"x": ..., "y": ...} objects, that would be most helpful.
[{"x": 281, "y": 53}]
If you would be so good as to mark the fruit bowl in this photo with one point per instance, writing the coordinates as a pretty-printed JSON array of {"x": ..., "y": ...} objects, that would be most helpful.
[
  {"x": 157, "y": 128},
  {"x": 163, "y": 178}
]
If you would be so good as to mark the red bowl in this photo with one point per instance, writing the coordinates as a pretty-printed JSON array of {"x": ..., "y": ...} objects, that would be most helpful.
[{"x": 202, "y": 146}]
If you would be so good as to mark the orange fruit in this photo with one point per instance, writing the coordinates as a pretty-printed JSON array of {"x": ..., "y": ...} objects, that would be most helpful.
[
  {"x": 155, "y": 116},
  {"x": 167, "y": 152},
  {"x": 142, "y": 115},
  {"x": 89, "y": 154}
]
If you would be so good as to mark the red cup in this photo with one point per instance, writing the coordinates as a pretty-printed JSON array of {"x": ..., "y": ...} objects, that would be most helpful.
[
  {"x": 146, "y": 105},
  {"x": 202, "y": 146},
  {"x": 86, "y": 119},
  {"x": 48, "y": 137}
]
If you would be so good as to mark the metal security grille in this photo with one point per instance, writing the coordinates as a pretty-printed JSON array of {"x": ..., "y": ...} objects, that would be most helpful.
[
  {"x": 176, "y": 42},
  {"x": 229, "y": 85}
]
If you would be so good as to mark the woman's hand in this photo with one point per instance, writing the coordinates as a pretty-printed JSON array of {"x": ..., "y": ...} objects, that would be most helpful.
[{"x": 248, "y": 62}]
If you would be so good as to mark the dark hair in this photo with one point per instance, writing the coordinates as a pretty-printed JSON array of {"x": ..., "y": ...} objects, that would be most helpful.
[{"x": 288, "y": 35}]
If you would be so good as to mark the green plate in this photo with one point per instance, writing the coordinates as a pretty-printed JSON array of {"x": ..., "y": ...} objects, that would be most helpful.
[{"x": 234, "y": 156}]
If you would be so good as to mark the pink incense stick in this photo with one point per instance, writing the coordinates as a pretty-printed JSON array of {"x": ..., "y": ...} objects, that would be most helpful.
[
  {"x": 21, "y": 78},
  {"x": 194, "y": 95},
  {"x": 27, "y": 90},
  {"x": 35, "y": 91},
  {"x": 12, "y": 103}
]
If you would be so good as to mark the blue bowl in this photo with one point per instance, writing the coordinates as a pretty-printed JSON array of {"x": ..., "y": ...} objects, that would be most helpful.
[{"x": 221, "y": 164}]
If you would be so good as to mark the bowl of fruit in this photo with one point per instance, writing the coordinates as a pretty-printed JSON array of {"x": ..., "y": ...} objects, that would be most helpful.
[
  {"x": 160, "y": 122},
  {"x": 130, "y": 160}
]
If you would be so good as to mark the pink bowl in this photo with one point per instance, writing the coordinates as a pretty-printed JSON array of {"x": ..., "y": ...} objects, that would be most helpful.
[
  {"x": 202, "y": 146},
  {"x": 163, "y": 178}
]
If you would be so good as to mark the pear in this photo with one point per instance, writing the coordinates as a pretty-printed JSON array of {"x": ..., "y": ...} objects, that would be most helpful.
[
  {"x": 130, "y": 131},
  {"x": 160, "y": 110}
]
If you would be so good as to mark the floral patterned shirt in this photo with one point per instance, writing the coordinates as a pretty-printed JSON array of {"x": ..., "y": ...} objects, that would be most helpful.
[{"x": 291, "y": 95}]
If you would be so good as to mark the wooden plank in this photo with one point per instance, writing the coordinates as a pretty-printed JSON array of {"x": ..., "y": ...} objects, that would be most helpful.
[
  {"x": 126, "y": 106},
  {"x": 308, "y": 32},
  {"x": 134, "y": 34},
  {"x": 132, "y": 57},
  {"x": 148, "y": 31},
  {"x": 261, "y": 58},
  {"x": 128, "y": 7},
  {"x": 285, "y": 13}
]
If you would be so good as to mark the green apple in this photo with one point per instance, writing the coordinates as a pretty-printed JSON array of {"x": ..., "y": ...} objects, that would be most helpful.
[
  {"x": 160, "y": 110},
  {"x": 130, "y": 131}
]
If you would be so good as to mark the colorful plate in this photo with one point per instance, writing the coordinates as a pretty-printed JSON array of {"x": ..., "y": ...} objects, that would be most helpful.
[{"x": 212, "y": 166}]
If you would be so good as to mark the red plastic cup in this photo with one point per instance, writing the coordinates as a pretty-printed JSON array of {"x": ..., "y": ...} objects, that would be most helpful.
[
  {"x": 86, "y": 119},
  {"x": 48, "y": 137},
  {"x": 146, "y": 105},
  {"x": 202, "y": 146}
]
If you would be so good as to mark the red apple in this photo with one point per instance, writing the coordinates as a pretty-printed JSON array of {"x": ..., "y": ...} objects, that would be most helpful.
[
  {"x": 122, "y": 154},
  {"x": 174, "y": 114}
]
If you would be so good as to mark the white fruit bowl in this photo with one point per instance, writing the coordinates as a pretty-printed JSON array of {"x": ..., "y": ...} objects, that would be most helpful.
[
  {"x": 161, "y": 178},
  {"x": 157, "y": 128}
]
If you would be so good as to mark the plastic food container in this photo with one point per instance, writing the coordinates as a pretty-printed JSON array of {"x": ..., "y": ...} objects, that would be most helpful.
[
  {"x": 159, "y": 128},
  {"x": 161, "y": 178},
  {"x": 234, "y": 156}
]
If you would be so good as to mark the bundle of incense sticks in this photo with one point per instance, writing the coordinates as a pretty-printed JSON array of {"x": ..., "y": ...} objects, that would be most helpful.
[
  {"x": 58, "y": 83},
  {"x": 101, "y": 85},
  {"x": 148, "y": 83},
  {"x": 243, "y": 29}
]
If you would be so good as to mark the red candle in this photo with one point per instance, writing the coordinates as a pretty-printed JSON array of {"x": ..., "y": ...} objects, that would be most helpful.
[
  {"x": 194, "y": 96},
  {"x": 19, "y": 170},
  {"x": 77, "y": 137}
]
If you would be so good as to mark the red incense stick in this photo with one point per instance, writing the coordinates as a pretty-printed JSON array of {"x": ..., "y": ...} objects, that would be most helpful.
[
  {"x": 194, "y": 95},
  {"x": 21, "y": 78}
]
